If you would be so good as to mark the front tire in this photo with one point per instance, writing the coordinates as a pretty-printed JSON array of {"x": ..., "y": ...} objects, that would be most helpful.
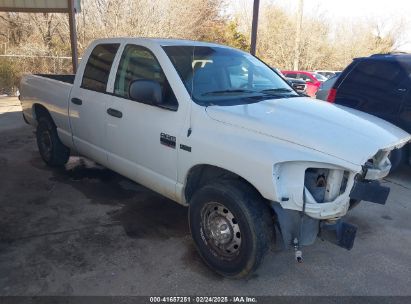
[
  {"x": 52, "y": 150},
  {"x": 231, "y": 226},
  {"x": 354, "y": 203},
  {"x": 397, "y": 158}
]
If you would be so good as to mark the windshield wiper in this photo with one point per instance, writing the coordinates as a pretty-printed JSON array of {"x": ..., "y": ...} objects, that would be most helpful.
[
  {"x": 277, "y": 90},
  {"x": 229, "y": 91}
]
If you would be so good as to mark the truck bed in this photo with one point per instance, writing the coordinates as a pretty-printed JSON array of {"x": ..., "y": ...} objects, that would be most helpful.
[
  {"x": 51, "y": 92},
  {"x": 68, "y": 78}
]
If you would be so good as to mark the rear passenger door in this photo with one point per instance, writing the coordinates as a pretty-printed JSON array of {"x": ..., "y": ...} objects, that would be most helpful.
[
  {"x": 375, "y": 87},
  {"x": 87, "y": 104}
]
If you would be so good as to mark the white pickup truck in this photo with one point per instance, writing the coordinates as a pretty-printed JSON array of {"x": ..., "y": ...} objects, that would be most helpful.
[{"x": 215, "y": 129}]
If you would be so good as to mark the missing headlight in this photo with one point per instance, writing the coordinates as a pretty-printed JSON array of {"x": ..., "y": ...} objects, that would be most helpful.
[
  {"x": 316, "y": 182},
  {"x": 325, "y": 184}
]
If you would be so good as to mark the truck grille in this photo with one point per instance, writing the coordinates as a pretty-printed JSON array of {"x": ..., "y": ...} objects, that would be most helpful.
[{"x": 299, "y": 87}]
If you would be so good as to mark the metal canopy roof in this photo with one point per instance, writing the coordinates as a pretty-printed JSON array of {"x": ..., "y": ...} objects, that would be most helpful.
[
  {"x": 72, "y": 7},
  {"x": 38, "y": 6},
  {"x": 69, "y": 7}
]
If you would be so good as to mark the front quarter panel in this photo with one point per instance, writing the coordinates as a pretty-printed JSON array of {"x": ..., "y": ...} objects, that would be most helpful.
[{"x": 274, "y": 167}]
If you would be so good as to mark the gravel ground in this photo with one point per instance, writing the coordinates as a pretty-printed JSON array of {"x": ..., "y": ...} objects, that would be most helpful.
[{"x": 85, "y": 230}]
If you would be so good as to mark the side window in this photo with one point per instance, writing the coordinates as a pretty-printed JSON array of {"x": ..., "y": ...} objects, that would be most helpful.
[
  {"x": 290, "y": 75},
  {"x": 303, "y": 77},
  {"x": 98, "y": 67},
  {"x": 136, "y": 63},
  {"x": 308, "y": 78}
]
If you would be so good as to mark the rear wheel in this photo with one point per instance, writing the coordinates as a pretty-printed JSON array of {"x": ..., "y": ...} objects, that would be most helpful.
[
  {"x": 52, "y": 150},
  {"x": 231, "y": 226}
]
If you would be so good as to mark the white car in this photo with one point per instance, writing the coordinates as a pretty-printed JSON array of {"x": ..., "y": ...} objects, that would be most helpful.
[
  {"x": 327, "y": 73},
  {"x": 215, "y": 129}
]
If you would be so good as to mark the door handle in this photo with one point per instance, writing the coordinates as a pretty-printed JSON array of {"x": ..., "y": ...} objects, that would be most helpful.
[
  {"x": 76, "y": 101},
  {"x": 114, "y": 112}
]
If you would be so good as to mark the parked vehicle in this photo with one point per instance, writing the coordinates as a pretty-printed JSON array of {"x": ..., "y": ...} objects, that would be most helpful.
[
  {"x": 379, "y": 85},
  {"x": 298, "y": 84},
  {"x": 325, "y": 88},
  {"x": 181, "y": 118},
  {"x": 327, "y": 74},
  {"x": 312, "y": 80}
]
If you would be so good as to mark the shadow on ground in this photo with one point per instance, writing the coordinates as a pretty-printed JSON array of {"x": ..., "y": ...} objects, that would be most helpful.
[{"x": 143, "y": 213}]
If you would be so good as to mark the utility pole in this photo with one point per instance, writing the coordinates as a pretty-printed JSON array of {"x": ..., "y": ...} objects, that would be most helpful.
[
  {"x": 254, "y": 27},
  {"x": 298, "y": 34}
]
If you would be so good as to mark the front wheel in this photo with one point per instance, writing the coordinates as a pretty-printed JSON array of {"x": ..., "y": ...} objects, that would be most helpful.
[{"x": 231, "y": 227}]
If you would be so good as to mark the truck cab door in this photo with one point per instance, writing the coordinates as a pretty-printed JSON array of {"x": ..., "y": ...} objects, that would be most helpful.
[
  {"x": 87, "y": 104},
  {"x": 142, "y": 139}
]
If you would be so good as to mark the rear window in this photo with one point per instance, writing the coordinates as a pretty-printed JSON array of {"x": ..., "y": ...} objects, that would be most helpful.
[
  {"x": 98, "y": 67},
  {"x": 376, "y": 75}
]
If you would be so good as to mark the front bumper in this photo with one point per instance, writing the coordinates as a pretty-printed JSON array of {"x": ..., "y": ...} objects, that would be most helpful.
[
  {"x": 295, "y": 224},
  {"x": 371, "y": 191}
]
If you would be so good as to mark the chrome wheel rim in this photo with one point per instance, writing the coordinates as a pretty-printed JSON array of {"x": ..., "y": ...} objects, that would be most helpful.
[{"x": 221, "y": 229}]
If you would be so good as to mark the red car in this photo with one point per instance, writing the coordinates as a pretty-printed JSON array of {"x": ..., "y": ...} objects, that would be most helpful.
[{"x": 313, "y": 80}]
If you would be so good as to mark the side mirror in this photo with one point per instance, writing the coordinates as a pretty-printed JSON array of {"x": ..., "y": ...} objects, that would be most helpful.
[{"x": 146, "y": 91}]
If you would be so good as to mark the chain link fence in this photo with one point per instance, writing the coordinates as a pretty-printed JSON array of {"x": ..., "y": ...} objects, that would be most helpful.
[{"x": 13, "y": 67}]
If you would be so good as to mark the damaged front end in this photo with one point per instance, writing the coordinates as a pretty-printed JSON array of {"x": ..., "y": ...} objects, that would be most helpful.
[{"x": 319, "y": 195}]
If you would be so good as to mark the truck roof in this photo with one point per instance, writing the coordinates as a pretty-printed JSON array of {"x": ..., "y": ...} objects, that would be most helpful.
[
  {"x": 161, "y": 41},
  {"x": 388, "y": 57}
]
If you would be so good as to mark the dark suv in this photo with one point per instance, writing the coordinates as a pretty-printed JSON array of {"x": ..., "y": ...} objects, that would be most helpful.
[{"x": 379, "y": 85}]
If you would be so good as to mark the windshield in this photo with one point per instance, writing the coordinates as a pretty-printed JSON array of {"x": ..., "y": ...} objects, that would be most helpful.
[
  {"x": 223, "y": 76},
  {"x": 320, "y": 77}
]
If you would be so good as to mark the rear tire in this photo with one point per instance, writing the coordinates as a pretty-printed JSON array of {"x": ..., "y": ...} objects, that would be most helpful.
[
  {"x": 52, "y": 150},
  {"x": 231, "y": 226}
]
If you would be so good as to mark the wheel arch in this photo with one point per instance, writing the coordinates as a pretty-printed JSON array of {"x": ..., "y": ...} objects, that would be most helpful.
[
  {"x": 203, "y": 174},
  {"x": 41, "y": 111}
]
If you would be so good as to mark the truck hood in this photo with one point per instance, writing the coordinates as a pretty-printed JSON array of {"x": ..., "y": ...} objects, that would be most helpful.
[{"x": 338, "y": 131}]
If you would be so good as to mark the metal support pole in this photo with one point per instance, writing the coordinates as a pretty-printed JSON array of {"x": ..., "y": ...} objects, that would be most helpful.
[
  {"x": 73, "y": 35},
  {"x": 254, "y": 27},
  {"x": 297, "y": 40}
]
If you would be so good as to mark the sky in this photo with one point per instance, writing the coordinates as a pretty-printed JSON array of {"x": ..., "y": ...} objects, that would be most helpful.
[{"x": 387, "y": 12}]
